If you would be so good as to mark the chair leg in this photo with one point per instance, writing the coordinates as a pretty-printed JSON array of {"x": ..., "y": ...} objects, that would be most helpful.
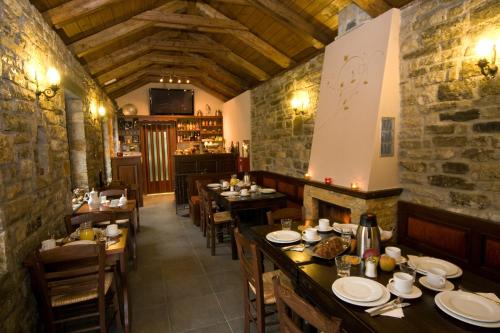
[
  {"x": 116, "y": 305},
  {"x": 212, "y": 239},
  {"x": 208, "y": 235}
]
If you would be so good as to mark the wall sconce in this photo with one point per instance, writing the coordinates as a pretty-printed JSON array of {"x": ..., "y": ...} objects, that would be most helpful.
[
  {"x": 300, "y": 101},
  {"x": 484, "y": 49},
  {"x": 53, "y": 80},
  {"x": 101, "y": 111}
]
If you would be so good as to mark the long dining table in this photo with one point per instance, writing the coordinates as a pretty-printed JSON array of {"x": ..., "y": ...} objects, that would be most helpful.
[
  {"x": 313, "y": 278},
  {"x": 235, "y": 204}
]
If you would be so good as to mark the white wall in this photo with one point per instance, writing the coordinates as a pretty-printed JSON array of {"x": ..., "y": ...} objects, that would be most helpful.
[
  {"x": 359, "y": 86},
  {"x": 236, "y": 114},
  {"x": 140, "y": 98}
]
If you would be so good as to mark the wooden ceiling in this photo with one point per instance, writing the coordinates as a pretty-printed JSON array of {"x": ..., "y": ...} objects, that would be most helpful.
[{"x": 222, "y": 46}]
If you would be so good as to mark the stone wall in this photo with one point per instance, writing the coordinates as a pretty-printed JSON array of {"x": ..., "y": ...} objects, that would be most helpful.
[
  {"x": 34, "y": 154},
  {"x": 282, "y": 136},
  {"x": 450, "y": 114}
]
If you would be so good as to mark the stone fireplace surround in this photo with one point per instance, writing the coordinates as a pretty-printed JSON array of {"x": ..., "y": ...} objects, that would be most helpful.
[{"x": 382, "y": 203}]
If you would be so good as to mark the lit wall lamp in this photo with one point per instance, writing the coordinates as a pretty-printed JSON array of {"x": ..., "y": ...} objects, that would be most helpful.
[
  {"x": 484, "y": 49},
  {"x": 53, "y": 80},
  {"x": 300, "y": 101},
  {"x": 101, "y": 111}
]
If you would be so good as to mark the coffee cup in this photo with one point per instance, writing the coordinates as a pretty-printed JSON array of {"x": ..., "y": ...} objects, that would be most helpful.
[
  {"x": 111, "y": 229},
  {"x": 310, "y": 234},
  {"x": 403, "y": 282},
  {"x": 253, "y": 188},
  {"x": 244, "y": 192},
  {"x": 436, "y": 277},
  {"x": 393, "y": 252},
  {"x": 48, "y": 244},
  {"x": 323, "y": 224},
  {"x": 225, "y": 184}
]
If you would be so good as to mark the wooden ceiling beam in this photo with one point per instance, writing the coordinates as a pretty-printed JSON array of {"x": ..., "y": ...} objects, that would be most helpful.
[
  {"x": 206, "y": 65},
  {"x": 106, "y": 36},
  {"x": 72, "y": 10},
  {"x": 373, "y": 7},
  {"x": 249, "y": 38},
  {"x": 190, "y": 20},
  {"x": 294, "y": 22}
]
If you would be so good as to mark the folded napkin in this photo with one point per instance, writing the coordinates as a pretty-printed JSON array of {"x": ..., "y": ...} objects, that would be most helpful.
[
  {"x": 395, "y": 313},
  {"x": 491, "y": 296},
  {"x": 384, "y": 234}
]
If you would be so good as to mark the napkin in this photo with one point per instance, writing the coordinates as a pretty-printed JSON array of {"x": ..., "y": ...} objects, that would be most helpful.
[
  {"x": 395, "y": 313},
  {"x": 491, "y": 296}
]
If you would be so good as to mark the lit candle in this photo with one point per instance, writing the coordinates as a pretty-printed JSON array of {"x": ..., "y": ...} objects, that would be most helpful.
[
  {"x": 354, "y": 186},
  {"x": 307, "y": 176},
  {"x": 328, "y": 181}
]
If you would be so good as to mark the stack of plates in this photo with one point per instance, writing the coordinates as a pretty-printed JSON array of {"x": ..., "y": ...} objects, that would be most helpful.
[
  {"x": 229, "y": 194},
  {"x": 267, "y": 190},
  {"x": 469, "y": 308},
  {"x": 283, "y": 236},
  {"x": 424, "y": 264},
  {"x": 214, "y": 185},
  {"x": 360, "y": 291}
]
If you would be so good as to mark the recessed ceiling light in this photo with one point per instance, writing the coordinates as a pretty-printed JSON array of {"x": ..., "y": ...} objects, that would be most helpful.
[{"x": 109, "y": 82}]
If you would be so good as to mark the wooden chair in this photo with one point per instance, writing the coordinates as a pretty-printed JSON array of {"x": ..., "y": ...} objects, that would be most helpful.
[
  {"x": 200, "y": 184},
  {"x": 215, "y": 220},
  {"x": 132, "y": 192},
  {"x": 72, "y": 285},
  {"x": 287, "y": 299},
  {"x": 73, "y": 222},
  {"x": 254, "y": 280},
  {"x": 284, "y": 213}
]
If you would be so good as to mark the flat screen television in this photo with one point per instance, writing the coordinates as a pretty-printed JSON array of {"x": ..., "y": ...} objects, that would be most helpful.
[{"x": 171, "y": 101}]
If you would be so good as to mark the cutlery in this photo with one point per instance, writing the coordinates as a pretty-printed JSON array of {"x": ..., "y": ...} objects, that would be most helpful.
[
  {"x": 478, "y": 294},
  {"x": 290, "y": 247},
  {"x": 376, "y": 308},
  {"x": 389, "y": 308}
]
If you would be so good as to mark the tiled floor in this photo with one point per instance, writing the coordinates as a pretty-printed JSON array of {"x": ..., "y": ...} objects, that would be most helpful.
[{"x": 178, "y": 286}]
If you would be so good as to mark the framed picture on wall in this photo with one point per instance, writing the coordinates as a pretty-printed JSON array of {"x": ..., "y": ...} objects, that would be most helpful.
[{"x": 387, "y": 137}]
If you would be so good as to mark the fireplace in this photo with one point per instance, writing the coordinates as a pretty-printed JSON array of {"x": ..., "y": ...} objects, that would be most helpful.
[{"x": 333, "y": 212}]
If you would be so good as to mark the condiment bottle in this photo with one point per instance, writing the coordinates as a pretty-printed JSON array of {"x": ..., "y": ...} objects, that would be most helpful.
[{"x": 371, "y": 267}]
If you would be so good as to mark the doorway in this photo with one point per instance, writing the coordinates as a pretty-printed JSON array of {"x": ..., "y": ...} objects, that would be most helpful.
[{"x": 158, "y": 143}]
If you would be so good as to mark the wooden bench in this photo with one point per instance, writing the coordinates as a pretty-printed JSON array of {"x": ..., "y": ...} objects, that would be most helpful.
[{"x": 467, "y": 241}]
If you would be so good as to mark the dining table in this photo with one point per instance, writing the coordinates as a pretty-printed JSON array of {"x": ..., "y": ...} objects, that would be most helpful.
[
  {"x": 313, "y": 277},
  {"x": 254, "y": 201}
]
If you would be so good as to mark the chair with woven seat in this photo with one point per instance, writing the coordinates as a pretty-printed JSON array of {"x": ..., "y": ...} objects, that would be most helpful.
[
  {"x": 72, "y": 287},
  {"x": 132, "y": 192},
  {"x": 200, "y": 185},
  {"x": 259, "y": 283},
  {"x": 284, "y": 213},
  {"x": 73, "y": 222},
  {"x": 290, "y": 306},
  {"x": 215, "y": 221}
]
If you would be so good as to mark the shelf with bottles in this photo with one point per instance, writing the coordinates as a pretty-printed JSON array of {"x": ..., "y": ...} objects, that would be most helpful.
[
  {"x": 188, "y": 136},
  {"x": 217, "y": 122},
  {"x": 188, "y": 125}
]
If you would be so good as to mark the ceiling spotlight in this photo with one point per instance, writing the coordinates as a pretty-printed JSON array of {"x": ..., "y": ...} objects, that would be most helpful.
[
  {"x": 187, "y": 81},
  {"x": 179, "y": 81},
  {"x": 170, "y": 80},
  {"x": 161, "y": 80}
]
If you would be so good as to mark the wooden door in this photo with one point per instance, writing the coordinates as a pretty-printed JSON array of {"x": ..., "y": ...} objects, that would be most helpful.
[{"x": 158, "y": 145}]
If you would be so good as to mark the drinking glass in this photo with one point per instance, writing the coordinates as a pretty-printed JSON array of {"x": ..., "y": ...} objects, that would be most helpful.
[
  {"x": 286, "y": 224},
  {"x": 343, "y": 266},
  {"x": 346, "y": 237}
]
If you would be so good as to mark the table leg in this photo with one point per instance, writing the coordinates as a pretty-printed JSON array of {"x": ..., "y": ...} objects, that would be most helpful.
[
  {"x": 124, "y": 283},
  {"x": 234, "y": 250}
]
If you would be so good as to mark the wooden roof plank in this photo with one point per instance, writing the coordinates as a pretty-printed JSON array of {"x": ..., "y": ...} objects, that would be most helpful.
[
  {"x": 72, "y": 10},
  {"x": 373, "y": 7},
  {"x": 294, "y": 22}
]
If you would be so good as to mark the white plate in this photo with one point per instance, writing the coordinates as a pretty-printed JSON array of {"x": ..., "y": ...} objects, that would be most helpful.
[
  {"x": 465, "y": 320},
  {"x": 283, "y": 236},
  {"x": 245, "y": 195},
  {"x": 471, "y": 306},
  {"x": 447, "y": 286},
  {"x": 267, "y": 190},
  {"x": 229, "y": 194},
  {"x": 382, "y": 300},
  {"x": 316, "y": 239},
  {"x": 337, "y": 227},
  {"x": 329, "y": 229},
  {"x": 415, "y": 291},
  {"x": 214, "y": 185},
  {"x": 119, "y": 232},
  {"x": 358, "y": 289},
  {"x": 80, "y": 242},
  {"x": 424, "y": 264}
]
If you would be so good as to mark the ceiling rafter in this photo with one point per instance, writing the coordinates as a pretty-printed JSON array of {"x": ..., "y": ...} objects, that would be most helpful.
[
  {"x": 74, "y": 9},
  {"x": 106, "y": 36},
  {"x": 373, "y": 7},
  {"x": 248, "y": 38},
  {"x": 199, "y": 62},
  {"x": 295, "y": 22}
]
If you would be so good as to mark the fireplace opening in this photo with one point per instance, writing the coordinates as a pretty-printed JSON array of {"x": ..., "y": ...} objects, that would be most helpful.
[{"x": 334, "y": 213}]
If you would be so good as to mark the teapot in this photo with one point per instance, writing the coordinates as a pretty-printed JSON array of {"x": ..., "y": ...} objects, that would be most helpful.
[
  {"x": 123, "y": 200},
  {"x": 92, "y": 198}
]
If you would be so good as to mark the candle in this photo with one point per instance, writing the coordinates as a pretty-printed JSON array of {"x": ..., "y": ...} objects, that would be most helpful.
[
  {"x": 307, "y": 176},
  {"x": 328, "y": 180},
  {"x": 354, "y": 186}
]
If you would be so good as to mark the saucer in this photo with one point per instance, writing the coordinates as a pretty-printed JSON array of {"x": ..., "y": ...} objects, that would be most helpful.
[
  {"x": 245, "y": 195},
  {"x": 447, "y": 286},
  {"x": 329, "y": 229},
  {"x": 317, "y": 239},
  {"x": 119, "y": 232},
  {"x": 415, "y": 291}
]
